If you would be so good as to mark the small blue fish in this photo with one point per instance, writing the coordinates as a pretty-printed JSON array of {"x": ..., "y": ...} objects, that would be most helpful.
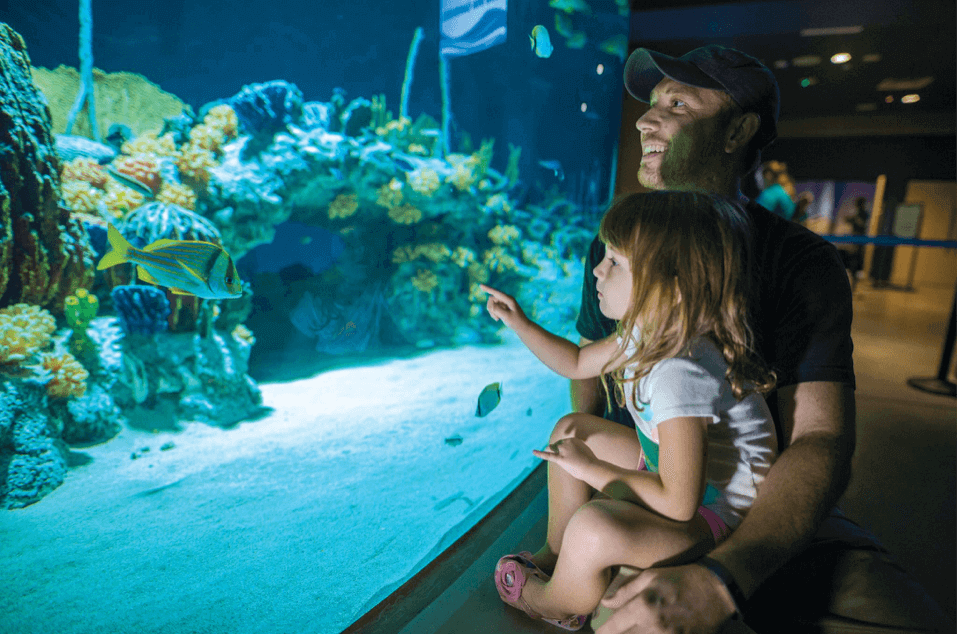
[
  {"x": 489, "y": 398},
  {"x": 616, "y": 45},
  {"x": 555, "y": 166},
  {"x": 541, "y": 43},
  {"x": 186, "y": 267}
]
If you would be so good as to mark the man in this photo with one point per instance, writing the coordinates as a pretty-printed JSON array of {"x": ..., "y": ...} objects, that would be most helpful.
[{"x": 711, "y": 113}]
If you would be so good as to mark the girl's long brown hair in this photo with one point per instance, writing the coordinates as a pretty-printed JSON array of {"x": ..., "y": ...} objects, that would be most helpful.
[{"x": 690, "y": 256}]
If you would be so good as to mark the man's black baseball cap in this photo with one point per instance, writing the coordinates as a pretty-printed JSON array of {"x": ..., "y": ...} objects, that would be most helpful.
[{"x": 749, "y": 82}]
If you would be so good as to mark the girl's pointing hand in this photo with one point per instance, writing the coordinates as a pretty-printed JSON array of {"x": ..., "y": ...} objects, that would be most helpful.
[{"x": 502, "y": 306}]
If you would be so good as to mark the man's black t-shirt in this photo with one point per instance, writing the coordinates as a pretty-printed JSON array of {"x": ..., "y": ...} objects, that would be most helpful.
[{"x": 801, "y": 312}]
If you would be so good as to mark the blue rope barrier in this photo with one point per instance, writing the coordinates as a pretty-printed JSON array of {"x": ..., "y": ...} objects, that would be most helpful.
[{"x": 890, "y": 240}]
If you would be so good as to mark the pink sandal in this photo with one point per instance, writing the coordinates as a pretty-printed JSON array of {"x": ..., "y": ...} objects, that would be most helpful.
[{"x": 510, "y": 577}]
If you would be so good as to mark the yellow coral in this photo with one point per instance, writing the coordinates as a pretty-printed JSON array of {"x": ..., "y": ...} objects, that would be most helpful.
[
  {"x": 207, "y": 137},
  {"x": 120, "y": 200},
  {"x": 503, "y": 234},
  {"x": 496, "y": 259},
  {"x": 24, "y": 329},
  {"x": 424, "y": 180},
  {"x": 463, "y": 176},
  {"x": 177, "y": 194},
  {"x": 478, "y": 273},
  {"x": 243, "y": 334},
  {"x": 223, "y": 117},
  {"x": 85, "y": 169},
  {"x": 405, "y": 214},
  {"x": 396, "y": 124},
  {"x": 68, "y": 377},
  {"x": 80, "y": 196},
  {"x": 405, "y": 253},
  {"x": 195, "y": 162},
  {"x": 149, "y": 143},
  {"x": 476, "y": 294},
  {"x": 436, "y": 252},
  {"x": 425, "y": 280},
  {"x": 463, "y": 256},
  {"x": 390, "y": 194},
  {"x": 344, "y": 206},
  {"x": 417, "y": 148},
  {"x": 497, "y": 203}
]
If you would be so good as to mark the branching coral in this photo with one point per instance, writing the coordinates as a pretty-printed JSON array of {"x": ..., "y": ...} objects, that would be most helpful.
[
  {"x": 224, "y": 118},
  {"x": 405, "y": 214},
  {"x": 498, "y": 260},
  {"x": 424, "y": 180},
  {"x": 504, "y": 234},
  {"x": 177, "y": 194},
  {"x": 68, "y": 377},
  {"x": 390, "y": 194},
  {"x": 464, "y": 171},
  {"x": 85, "y": 170},
  {"x": 344, "y": 206},
  {"x": 497, "y": 203},
  {"x": 120, "y": 200},
  {"x": 81, "y": 197},
  {"x": 207, "y": 137},
  {"x": 151, "y": 144},
  {"x": 24, "y": 330},
  {"x": 463, "y": 257},
  {"x": 425, "y": 280},
  {"x": 194, "y": 164}
]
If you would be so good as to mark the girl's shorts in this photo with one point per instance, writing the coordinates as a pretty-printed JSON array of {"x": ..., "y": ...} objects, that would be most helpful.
[{"x": 718, "y": 527}]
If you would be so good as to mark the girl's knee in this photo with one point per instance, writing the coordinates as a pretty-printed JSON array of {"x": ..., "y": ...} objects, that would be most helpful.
[
  {"x": 566, "y": 427},
  {"x": 589, "y": 528}
]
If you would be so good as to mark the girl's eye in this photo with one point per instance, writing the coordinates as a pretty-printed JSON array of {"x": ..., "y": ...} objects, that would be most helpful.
[{"x": 677, "y": 103}]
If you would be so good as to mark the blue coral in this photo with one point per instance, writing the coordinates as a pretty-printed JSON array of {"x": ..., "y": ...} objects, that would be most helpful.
[
  {"x": 142, "y": 309},
  {"x": 264, "y": 109}
]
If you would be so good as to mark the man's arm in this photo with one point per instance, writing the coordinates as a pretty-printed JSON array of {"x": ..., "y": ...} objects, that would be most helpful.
[
  {"x": 802, "y": 486},
  {"x": 799, "y": 490}
]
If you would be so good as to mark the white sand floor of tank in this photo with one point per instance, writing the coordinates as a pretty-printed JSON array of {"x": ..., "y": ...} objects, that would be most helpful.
[{"x": 297, "y": 522}]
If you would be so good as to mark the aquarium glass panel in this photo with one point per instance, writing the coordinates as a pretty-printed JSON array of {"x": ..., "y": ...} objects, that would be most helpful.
[{"x": 248, "y": 381}]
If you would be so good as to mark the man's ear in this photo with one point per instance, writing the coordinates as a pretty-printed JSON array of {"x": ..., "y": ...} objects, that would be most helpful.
[{"x": 741, "y": 131}]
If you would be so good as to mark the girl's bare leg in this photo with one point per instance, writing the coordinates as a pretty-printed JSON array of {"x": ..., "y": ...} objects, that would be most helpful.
[
  {"x": 604, "y": 533},
  {"x": 610, "y": 442}
]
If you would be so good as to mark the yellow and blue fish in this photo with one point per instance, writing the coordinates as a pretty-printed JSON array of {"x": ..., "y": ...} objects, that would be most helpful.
[
  {"x": 186, "y": 267},
  {"x": 490, "y": 397},
  {"x": 541, "y": 42}
]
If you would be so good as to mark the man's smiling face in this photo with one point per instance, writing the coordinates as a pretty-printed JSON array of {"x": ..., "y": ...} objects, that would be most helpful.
[{"x": 683, "y": 136}]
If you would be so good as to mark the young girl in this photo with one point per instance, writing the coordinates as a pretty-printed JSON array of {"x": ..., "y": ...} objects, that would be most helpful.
[{"x": 675, "y": 278}]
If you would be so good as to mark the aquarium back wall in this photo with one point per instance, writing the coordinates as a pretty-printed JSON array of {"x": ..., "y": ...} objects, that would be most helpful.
[{"x": 207, "y": 50}]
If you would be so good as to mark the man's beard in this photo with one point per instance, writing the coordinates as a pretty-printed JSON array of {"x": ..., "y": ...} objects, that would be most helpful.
[{"x": 690, "y": 161}]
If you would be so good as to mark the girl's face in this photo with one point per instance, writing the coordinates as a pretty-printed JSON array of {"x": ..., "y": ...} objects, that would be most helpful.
[{"x": 614, "y": 284}]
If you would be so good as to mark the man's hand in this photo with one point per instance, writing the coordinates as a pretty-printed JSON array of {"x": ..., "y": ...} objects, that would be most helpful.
[{"x": 685, "y": 599}]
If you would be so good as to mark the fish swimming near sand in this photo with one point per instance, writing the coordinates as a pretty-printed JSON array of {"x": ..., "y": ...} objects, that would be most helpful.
[
  {"x": 541, "y": 42},
  {"x": 186, "y": 267},
  {"x": 490, "y": 397}
]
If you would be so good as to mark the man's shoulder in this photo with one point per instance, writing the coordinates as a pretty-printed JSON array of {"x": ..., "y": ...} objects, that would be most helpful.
[{"x": 770, "y": 229}]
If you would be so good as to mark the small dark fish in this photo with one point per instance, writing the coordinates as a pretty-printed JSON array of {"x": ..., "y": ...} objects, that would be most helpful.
[
  {"x": 130, "y": 182},
  {"x": 490, "y": 397},
  {"x": 454, "y": 440},
  {"x": 528, "y": 413}
]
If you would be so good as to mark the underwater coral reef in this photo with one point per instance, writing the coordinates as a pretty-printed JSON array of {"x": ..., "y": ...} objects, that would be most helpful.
[{"x": 418, "y": 228}]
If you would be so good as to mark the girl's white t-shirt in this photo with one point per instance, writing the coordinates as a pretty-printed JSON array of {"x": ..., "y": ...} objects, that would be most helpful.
[{"x": 742, "y": 442}]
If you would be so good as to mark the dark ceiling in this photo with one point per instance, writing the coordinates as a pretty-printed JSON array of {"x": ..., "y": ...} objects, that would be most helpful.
[{"x": 892, "y": 43}]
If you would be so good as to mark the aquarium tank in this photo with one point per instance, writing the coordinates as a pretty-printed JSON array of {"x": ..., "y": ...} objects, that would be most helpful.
[{"x": 248, "y": 381}]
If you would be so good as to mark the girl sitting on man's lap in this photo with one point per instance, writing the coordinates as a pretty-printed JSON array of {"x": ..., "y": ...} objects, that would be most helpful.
[{"x": 676, "y": 278}]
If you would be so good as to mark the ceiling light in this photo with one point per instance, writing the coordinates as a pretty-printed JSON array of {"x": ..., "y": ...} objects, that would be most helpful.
[
  {"x": 806, "y": 60},
  {"x": 865, "y": 107},
  {"x": 904, "y": 84},
  {"x": 913, "y": 98},
  {"x": 840, "y": 58},
  {"x": 833, "y": 30},
  {"x": 872, "y": 57},
  {"x": 584, "y": 107},
  {"x": 781, "y": 64},
  {"x": 600, "y": 69},
  {"x": 808, "y": 81},
  {"x": 889, "y": 99}
]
